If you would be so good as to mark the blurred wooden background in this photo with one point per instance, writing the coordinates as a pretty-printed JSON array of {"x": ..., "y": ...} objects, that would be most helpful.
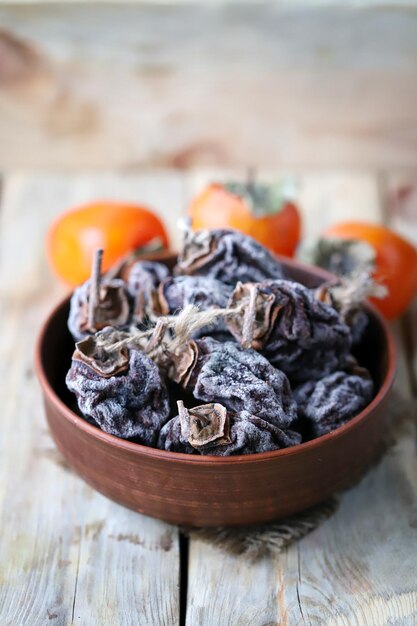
[{"x": 93, "y": 85}]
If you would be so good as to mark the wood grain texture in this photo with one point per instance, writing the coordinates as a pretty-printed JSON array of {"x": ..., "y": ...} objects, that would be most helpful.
[
  {"x": 224, "y": 589},
  {"x": 342, "y": 573},
  {"x": 87, "y": 85},
  {"x": 67, "y": 555}
]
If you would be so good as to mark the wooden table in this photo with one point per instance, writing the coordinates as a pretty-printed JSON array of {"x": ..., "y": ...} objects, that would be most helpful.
[{"x": 70, "y": 556}]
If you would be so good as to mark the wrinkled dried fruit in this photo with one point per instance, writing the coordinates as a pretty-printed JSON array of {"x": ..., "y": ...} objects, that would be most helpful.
[
  {"x": 301, "y": 336},
  {"x": 330, "y": 402},
  {"x": 131, "y": 402},
  {"x": 211, "y": 430},
  {"x": 143, "y": 278},
  {"x": 228, "y": 256},
  {"x": 237, "y": 378},
  {"x": 174, "y": 294}
]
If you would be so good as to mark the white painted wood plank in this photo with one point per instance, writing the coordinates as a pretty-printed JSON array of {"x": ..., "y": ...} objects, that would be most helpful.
[
  {"x": 270, "y": 83},
  {"x": 66, "y": 553}
]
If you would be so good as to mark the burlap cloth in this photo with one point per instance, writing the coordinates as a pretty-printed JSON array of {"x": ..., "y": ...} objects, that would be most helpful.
[{"x": 254, "y": 542}]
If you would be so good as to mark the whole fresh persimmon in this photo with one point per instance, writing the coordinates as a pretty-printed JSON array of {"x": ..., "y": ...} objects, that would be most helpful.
[
  {"x": 394, "y": 263},
  {"x": 259, "y": 210},
  {"x": 116, "y": 227}
]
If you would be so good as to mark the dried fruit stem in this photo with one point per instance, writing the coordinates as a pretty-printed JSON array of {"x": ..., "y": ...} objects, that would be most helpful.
[{"x": 94, "y": 299}]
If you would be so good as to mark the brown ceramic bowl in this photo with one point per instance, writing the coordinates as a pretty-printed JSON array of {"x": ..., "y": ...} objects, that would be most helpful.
[{"x": 215, "y": 491}]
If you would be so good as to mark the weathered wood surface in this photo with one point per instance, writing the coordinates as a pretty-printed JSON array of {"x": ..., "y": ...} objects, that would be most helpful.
[
  {"x": 68, "y": 555},
  {"x": 126, "y": 85}
]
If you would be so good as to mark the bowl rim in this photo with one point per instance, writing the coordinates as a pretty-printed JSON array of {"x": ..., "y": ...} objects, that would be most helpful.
[{"x": 166, "y": 455}]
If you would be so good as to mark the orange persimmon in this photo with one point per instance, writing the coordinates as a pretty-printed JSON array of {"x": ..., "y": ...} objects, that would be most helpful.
[
  {"x": 395, "y": 264},
  {"x": 117, "y": 227},
  {"x": 258, "y": 210}
]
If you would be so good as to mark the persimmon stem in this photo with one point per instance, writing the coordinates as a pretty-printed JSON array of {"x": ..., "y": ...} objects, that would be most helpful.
[{"x": 95, "y": 279}]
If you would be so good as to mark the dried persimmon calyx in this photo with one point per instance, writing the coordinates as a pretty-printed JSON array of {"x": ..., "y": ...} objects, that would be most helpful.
[
  {"x": 123, "y": 391},
  {"x": 184, "y": 362},
  {"x": 255, "y": 313},
  {"x": 198, "y": 249},
  {"x": 113, "y": 308},
  {"x": 106, "y": 352},
  {"x": 205, "y": 424},
  {"x": 176, "y": 350},
  {"x": 299, "y": 335},
  {"x": 98, "y": 303},
  {"x": 228, "y": 256}
]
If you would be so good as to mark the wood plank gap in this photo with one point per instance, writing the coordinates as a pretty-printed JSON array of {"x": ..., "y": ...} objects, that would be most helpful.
[
  {"x": 77, "y": 572},
  {"x": 184, "y": 546},
  {"x": 298, "y": 583}
]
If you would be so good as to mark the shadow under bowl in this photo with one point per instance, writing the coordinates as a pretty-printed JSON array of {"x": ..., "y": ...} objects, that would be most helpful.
[{"x": 216, "y": 491}]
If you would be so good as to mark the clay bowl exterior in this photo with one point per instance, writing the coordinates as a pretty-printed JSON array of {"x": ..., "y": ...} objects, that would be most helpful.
[{"x": 214, "y": 491}]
